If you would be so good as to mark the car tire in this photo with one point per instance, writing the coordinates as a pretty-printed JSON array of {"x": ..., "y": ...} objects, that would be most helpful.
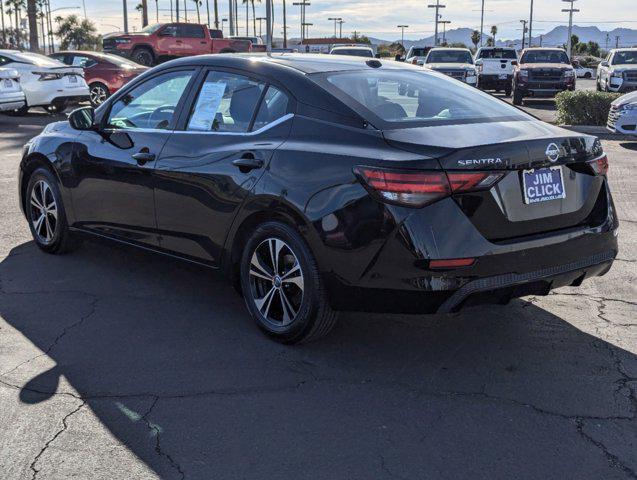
[
  {"x": 588, "y": 75},
  {"x": 598, "y": 86},
  {"x": 507, "y": 91},
  {"x": 282, "y": 287},
  {"x": 20, "y": 112},
  {"x": 57, "y": 107},
  {"x": 143, "y": 56},
  {"x": 517, "y": 98},
  {"x": 99, "y": 93},
  {"x": 46, "y": 215}
]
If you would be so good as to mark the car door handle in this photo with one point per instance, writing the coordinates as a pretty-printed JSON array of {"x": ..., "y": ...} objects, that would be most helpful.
[
  {"x": 248, "y": 162},
  {"x": 144, "y": 157}
]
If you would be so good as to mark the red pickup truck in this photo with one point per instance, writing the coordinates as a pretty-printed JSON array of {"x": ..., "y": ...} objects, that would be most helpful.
[{"x": 164, "y": 41}]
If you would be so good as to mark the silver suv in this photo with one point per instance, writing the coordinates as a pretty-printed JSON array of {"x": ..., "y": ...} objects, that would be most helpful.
[{"x": 618, "y": 71}]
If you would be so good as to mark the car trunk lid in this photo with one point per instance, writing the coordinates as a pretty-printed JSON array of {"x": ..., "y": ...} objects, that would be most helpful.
[{"x": 548, "y": 183}]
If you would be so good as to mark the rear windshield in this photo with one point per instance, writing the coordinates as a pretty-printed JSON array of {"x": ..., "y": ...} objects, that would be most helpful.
[
  {"x": 418, "y": 52},
  {"x": 497, "y": 53},
  {"x": 37, "y": 59},
  {"x": 356, "y": 52},
  {"x": 625, "y": 57},
  {"x": 449, "y": 56},
  {"x": 545, "y": 56},
  {"x": 406, "y": 98}
]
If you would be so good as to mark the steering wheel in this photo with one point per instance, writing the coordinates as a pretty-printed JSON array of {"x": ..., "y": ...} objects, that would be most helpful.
[{"x": 170, "y": 109}]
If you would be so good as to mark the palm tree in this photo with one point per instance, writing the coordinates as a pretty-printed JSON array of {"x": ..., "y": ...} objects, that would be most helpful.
[
  {"x": 247, "y": 4},
  {"x": 144, "y": 13},
  {"x": 198, "y": 3},
  {"x": 475, "y": 38},
  {"x": 254, "y": 17},
  {"x": 32, "y": 16},
  {"x": 494, "y": 31},
  {"x": 157, "y": 11},
  {"x": 216, "y": 7}
]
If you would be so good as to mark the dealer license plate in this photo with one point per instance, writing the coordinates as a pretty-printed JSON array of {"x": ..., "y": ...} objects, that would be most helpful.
[
  {"x": 72, "y": 79},
  {"x": 543, "y": 184},
  {"x": 7, "y": 83},
  {"x": 502, "y": 76}
]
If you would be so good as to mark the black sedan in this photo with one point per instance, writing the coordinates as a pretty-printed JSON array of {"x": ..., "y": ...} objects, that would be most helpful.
[{"x": 317, "y": 187}]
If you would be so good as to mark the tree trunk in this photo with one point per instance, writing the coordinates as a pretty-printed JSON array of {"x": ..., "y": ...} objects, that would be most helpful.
[
  {"x": 144, "y": 13},
  {"x": 254, "y": 19},
  {"x": 198, "y": 16},
  {"x": 285, "y": 27},
  {"x": 216, "y": 6}
]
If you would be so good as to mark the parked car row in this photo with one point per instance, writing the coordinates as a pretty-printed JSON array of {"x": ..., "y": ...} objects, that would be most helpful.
[{"x": 618, "y": 71}]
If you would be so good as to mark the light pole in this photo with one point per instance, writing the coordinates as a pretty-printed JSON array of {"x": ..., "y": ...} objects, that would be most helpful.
[
  {"x": 126, "y": 17},
  {"x": 570, "y": 24},
  {"x": 531, "y": 26},
  {"x": 307, "y": 30},
  {"x": 260, "y": 20},
  {"x": 340, "y": 28},
  {"x": 444, "y": 30},
  {"x": 223, "y": 20},
  {"x": 481, "y": 22},
  {"x": 437, "y": 6},
  {"x": 524, "y": 29},
  {"x": 268, "y": 25},
  {"x": 402, "y": 34},
  {"x": 302, "y": 4},
  {"x": 336, "y": 20}
]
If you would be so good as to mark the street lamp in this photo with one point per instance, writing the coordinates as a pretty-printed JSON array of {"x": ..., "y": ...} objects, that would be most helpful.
[
  {"x": 402, "y": 34},
  {"x": 437, "y": 6},
  {"x": 444, "y": 30},
  {"x": 570, "y": 24},
  {"x": 260, "y": 20},
  {"x": 303, "y": 5},
  {"x": 336, "y": 20},
  {"x": 223, "y": 20}
]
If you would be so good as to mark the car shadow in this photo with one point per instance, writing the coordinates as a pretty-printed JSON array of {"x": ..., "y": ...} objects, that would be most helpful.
[{"x": 164, "y": 355}]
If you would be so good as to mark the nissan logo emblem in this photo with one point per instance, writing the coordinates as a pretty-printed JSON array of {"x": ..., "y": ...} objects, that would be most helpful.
[{"x": 552, "y": 152}]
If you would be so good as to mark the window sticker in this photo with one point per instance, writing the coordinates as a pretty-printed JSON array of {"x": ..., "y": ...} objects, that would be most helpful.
[{"x": 208, "y": 104}]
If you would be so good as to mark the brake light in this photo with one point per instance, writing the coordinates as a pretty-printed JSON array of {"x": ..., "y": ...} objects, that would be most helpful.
[
  {"x": 46, "y": 76},
  {"x": 600, "y": 165},
  {"x": 414, "y": 188},
  {"x": 451, "y": 263}
]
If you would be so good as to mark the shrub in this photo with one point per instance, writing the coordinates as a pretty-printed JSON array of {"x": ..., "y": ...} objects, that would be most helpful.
[{"x": 583, "y": 107}]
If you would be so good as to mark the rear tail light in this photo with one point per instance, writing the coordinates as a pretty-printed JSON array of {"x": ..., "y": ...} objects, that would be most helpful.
[
  {"x": 600, "y": 165},
  {"x": 451, "y": 263},
  {"x": 46, "y": 76},
  {"x": 414, "y": 188}
]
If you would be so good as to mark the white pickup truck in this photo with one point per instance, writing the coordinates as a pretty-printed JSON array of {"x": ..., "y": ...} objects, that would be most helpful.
[{"x": 495, "y": 68}]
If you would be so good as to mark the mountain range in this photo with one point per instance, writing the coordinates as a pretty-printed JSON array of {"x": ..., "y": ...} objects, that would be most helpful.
[{"x": 557, "y": 36}]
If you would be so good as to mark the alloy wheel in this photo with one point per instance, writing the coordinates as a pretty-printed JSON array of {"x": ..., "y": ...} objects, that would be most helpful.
[
  {"x": 44, "y": 212},
  {"x": 98, "y": 95},
  {"x": 276, "y": 282}
]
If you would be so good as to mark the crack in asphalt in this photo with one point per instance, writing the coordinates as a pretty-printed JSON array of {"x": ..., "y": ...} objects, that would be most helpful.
[
  {"x": 61, "y": 335},
  {"x": 50, "y": 441},
  {"x": 157, "y": 432},
  {"x": 613, "y": 460}
]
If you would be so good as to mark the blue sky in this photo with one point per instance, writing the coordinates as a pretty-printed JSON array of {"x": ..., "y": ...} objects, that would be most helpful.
[{"x": 379, "y": 18}]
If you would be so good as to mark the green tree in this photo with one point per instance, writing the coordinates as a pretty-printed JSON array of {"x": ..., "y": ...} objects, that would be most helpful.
[
  {"x": 475, "y": 38},
  {"x": 490, "y": 42},
  {"x": 494, "y": 31},
  {"x": 80, "y": 34},
  {"x": 593, "y": 49}
]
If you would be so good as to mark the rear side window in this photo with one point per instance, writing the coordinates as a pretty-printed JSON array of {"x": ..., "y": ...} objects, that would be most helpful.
[
  {"x": 498, "y": 53},
  {"x": 190, "y": 31},
  {"x": 226, "y": 103},
  {"x": 273, "y": 107},
  {"x": 82, "y": 61},
  {"x": 408, "y": 98},
  {"x": 355, "y": 52}
]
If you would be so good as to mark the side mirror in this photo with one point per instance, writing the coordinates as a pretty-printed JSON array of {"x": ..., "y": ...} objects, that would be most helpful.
[
  {"x": 604, "y": 63},
  {"x": 479, "y": 62},
  {"x": 514, "y": 62},
  {"x": 82, "y": 118}
]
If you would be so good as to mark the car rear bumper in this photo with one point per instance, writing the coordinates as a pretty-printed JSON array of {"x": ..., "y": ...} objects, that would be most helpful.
[
  {"x": 494, "y": 81},
  {"x": 399, "y": 279},
  {"x": 12, "y": 102},
  {"x": 539, "y": 90}
]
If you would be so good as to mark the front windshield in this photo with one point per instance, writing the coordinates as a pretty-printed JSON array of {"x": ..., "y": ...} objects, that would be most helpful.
[
  {"x": 497, "y": 53},
  {"x": 355, "y": 52},
  {"x": 152, "y": 28},
  {"x": 407, "y": 98},
  {"x": 418, "y": 52},
  {"x": 37, "y": 59},
  {"x": 449, "y": 56},
  {"x": 627, "y": 57},
  {"x": 545, "y": 56}
]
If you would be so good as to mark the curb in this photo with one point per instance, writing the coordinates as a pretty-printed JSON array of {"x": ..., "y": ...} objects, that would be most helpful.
[{"x": 598, "y": 131}]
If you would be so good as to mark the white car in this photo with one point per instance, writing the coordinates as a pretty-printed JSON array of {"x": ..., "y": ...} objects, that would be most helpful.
[
  {"x": 454, "y": 62},
  {"x": 417, "y": 55},
  {"x": 622, "y": 117},
  {"x": 11, "y": 94},
  {"x": 46, "y": 82},
  {"x": 618, "y": 71},
  {"x": 495, "y": 68},
  {"x": 583, "y": 72},
  {"x": 354, "y": 51}
]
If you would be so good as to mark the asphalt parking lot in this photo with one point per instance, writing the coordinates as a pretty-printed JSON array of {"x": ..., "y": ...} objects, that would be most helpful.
[{"x": 119, "y": 364}]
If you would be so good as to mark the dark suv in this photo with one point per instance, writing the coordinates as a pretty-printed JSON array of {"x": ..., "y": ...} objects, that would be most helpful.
[{"x": 542, "y": 72}]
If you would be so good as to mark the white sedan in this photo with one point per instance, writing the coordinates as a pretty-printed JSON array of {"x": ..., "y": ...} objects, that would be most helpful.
[
  {"x": 11, "y": 94},
  {"x": 46, "y": 82},
  {"x": 622, "y": 117},
  {"x": 584, "y": 72}
]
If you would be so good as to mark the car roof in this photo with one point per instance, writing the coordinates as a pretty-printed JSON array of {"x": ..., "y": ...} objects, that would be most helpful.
[
  {"x": 451, "y": 48},
  {"x": 279, "y": 63},
  {"x": 544, "y": 48},
  {"x": 625, "y": 49},
  {"x": 351, "y": 47}
]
